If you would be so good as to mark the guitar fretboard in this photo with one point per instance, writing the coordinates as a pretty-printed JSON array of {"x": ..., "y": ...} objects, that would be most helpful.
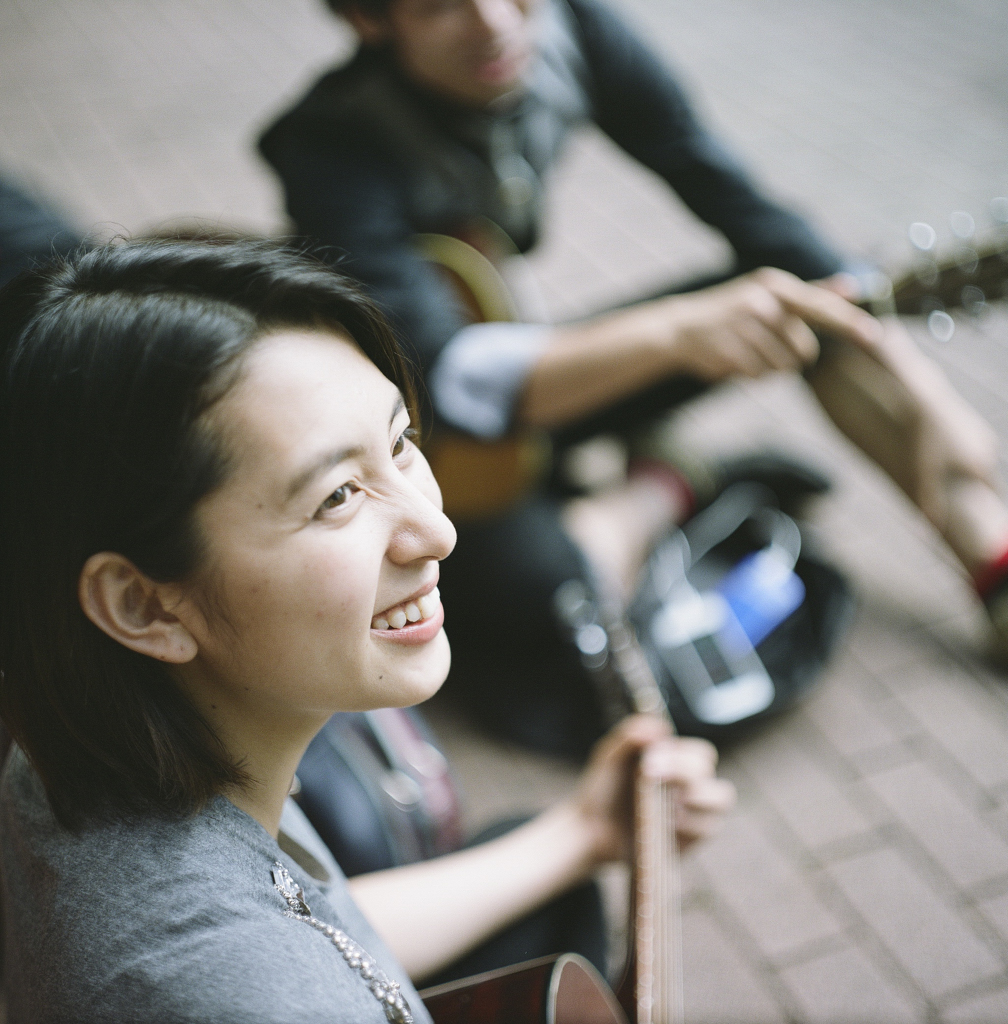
[{"x": 657, "y": 924}]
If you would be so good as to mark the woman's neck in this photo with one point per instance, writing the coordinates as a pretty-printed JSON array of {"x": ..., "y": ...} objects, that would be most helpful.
[
  {"x": 263, "y": 798},
  {"x": 267, "y": 744}
]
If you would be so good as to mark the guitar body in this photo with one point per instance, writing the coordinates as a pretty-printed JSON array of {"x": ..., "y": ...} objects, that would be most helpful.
[
  {"x": 477, "y": 478},
  {"x": 553, "y": 990}
]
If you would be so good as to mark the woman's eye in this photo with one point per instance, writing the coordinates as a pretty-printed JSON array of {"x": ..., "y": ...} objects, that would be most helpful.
[
  {"x": 338, "y": 497},
  {"x": 400, "y": 443}
]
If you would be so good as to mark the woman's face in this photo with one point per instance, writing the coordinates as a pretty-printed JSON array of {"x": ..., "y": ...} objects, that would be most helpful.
[{"x": 324, "y": 538}]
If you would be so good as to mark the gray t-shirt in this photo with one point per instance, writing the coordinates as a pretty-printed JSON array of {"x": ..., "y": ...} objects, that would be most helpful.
[{"x": 167, "y": 919}]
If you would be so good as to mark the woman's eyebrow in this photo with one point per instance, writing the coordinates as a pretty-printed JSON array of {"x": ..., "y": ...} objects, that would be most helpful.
[
  {"x": 326, "y": 460},
  {"x": 323, "y": 462}
]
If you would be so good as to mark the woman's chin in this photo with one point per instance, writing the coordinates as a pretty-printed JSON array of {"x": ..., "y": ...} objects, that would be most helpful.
[{"x": 415, "y": 674}]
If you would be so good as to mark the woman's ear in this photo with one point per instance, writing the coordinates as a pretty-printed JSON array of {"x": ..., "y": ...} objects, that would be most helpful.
[
  {"x": 372, "y": 30},
  {"x": 130, "y": 607}
]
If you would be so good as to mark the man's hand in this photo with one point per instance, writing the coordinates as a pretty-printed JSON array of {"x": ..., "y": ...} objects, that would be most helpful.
[
  {"x": 748, "y": 327},
  {"x": 757, "y": 324},
  {"x": 604, "y": 798}
]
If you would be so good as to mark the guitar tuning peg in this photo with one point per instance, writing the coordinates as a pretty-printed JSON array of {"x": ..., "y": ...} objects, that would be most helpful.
[
  {"x": 962, "y": 224},
  {"x": 922, "y": 236},
  {"x": 973, "y": 300},
  {"x": 999, "y": 210},
  {"x": 941, "y": 325}
]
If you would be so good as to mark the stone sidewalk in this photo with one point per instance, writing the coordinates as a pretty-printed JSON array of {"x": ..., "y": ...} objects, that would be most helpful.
[{"x": 864, "y": 876}]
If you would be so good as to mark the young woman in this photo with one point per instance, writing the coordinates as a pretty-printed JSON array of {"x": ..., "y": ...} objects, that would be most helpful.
[{"x": 215, "y": 531}]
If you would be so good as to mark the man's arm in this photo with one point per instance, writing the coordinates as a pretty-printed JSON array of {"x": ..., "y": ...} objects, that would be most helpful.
[
  {"x": 639, "y": 104},
  {"x": 753, "y": 325}
]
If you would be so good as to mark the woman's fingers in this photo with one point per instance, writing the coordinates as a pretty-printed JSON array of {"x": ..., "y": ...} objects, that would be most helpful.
[
  {"x": 632, "y": 735},
  {"x": 702, "y": 799},
  {"x": 680, "y": 759},
  {"x": 692, "y": 826}
]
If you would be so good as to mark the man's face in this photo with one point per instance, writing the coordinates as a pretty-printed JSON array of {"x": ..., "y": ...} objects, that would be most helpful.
[{"x": 472, "y": 51}]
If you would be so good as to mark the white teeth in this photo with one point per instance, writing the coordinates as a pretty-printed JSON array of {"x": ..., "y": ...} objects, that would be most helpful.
[{"x": 422, "y": 608}]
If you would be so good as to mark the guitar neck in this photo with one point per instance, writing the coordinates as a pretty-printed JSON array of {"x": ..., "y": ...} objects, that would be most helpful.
[
  {"x": 630, "y": 665},
  {"x": 656, "y": 919},
  {"x": 970, "y": 276},
  {"x": 652, "y": 988}
]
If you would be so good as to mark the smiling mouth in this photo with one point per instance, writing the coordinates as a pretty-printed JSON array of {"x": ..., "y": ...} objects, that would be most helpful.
[{"x": 409, "y": 612}]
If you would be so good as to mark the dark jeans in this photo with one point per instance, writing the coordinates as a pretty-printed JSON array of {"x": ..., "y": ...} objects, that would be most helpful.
[{"x": 572, "y": 923}]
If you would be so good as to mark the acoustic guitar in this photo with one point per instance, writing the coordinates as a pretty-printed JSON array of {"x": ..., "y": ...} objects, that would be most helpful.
[
  {"x": 567, "y": 989},
  {"x": 480, "y": 479}
]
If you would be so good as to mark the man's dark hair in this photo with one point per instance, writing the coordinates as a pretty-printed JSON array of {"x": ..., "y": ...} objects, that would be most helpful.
[{"x": 109, "y": 363}]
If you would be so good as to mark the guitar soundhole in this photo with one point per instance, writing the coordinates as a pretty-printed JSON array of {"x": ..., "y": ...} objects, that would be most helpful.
[{"x": 582, "y": 997}]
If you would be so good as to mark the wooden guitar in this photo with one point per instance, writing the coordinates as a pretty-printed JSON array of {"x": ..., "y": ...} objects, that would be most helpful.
[
  {"x": 479, "y": 479},
  {"x": 566, "y": 989}
]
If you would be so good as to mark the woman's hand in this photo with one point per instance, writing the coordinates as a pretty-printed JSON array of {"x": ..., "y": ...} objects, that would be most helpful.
[
  {"x": 432, "y": 912},
  {"x": 604, "y": 799}
]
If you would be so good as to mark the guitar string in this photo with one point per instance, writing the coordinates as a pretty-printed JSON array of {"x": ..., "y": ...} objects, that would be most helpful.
[
  {"x": 679, "y": 991},
  {"x": 663, "y": 866},
  {"x": 659, "y": 957}
]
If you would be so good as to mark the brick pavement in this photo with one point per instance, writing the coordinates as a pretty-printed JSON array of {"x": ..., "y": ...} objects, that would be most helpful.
[{"x": 865, "y": 875}]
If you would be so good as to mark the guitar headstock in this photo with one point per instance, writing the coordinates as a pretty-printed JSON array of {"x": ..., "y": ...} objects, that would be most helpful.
[{"x": 968, "y": 276}]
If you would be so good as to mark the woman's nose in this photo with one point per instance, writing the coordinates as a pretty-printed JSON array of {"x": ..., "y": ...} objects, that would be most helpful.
[{"x": 422, "y": 530}]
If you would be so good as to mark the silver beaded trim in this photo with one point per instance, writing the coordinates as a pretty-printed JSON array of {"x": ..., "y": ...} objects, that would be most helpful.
[{"x": 385, "y": 990}]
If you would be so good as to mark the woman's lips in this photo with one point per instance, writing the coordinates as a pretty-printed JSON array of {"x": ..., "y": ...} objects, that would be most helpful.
[
  {"x": 414, "y": 621},
  {"x": 421, "y": 605},
  {"x": 412, "y": 633}
]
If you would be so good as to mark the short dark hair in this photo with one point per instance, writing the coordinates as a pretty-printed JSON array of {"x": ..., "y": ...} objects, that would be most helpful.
[{"x": 109, "y": 361}]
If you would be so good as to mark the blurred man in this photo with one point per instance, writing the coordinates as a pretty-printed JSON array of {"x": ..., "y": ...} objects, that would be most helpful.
[{"x": 447, "y": 118}]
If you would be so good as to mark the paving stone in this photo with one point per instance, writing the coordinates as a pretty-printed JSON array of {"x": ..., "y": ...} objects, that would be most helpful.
[
  {"x": 996, "y": 911},
  {"x": 964, "y": 718},
  {"x": 887, "y": 646},
  {"x": 928, "y": 938},
  {"x": 845, "y": 986},
  {"x": 850, "y": 715},
  {"x": 943, "y": 823},
  {"x": 991, "y": 1008},
  {"x": 769, "y": 896},
  {"x": 719, "y": 987},
  {"x": 793, "y": 780}
]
